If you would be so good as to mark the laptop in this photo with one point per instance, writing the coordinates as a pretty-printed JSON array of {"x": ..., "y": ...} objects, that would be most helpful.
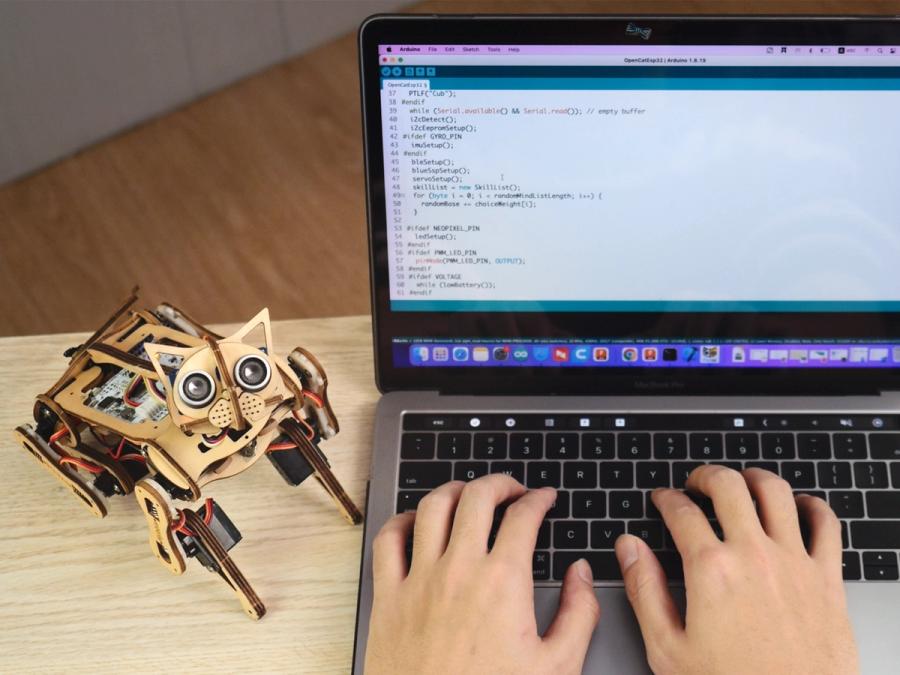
[{"x": 605, "y": 250}]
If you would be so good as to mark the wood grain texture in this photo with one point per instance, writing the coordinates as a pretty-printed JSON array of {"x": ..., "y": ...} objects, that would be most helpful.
[
  {"x": 79, "y": 594},
  {"x": 252, "y": 196}
]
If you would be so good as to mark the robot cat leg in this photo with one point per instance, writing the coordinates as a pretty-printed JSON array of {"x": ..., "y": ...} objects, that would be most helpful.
[
  {"x": 303, "y": 458},
  {"x": 176, "y": 535},
  {"x": 54, "y": 461}
]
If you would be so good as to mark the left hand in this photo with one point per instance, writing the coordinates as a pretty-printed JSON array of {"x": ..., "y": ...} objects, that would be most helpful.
[{"x": 462, "y": 609}]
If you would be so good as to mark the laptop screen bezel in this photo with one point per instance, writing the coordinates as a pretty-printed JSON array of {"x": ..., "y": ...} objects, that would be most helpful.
[{"x": 585, "y": 30}]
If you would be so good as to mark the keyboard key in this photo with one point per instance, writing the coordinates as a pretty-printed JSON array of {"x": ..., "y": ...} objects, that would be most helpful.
[
  {"x": 633, "y": 446},
  {"x": 835, "y": 475},
  {"x": 648, "y": 530},
  {"x": 801, "y": 475},
  {"x": 469, "y": 470},
  {"x": 870, "y": 474},
  {"x": 514, "y": 469},
  {"x": 884, "y": 446},
  {"x": 742, "y": 446},
  {"x": 605, "y": 532},
  {"x": 851, "y": 567},
  {"x": 846, "y": 504},
  {"x": 706, "y": 446},
  {"x": 850, "y": 446},
  {"x": 526, "y": 446},
  {"x": 570, "y": 534},
  {"x": 883, "y": 504},
  {"x": 670, "y": 446},
  {"x": 705, "y": 504},
  {"x": 588, "y": 504},
  {"x": 543, "y": 538},
  {"x": 875, "y": 534},
  {"x": 562, "y": 446},
  {"x": 604, "y": 565},
  {"x": 895, "y": 474},
  {"x": 424, "y": 475},
  {"x": 560, "y": 508},
  {"x": 650, "y": 509},
  {"x": 626, "y": 504},
  {"x": 671, "y": 564},
  {"x": 454, "y": 446},
  {"x": 616, "y": 474},
  {"x": 880, "y": 559},
  {"x": 652, "y": 474},
  {"x": 845, "y": 535},
  {"x": 880, "y": 566},
  {"x": 417, "y": 446},
  {"x": 580, "y": 474},
  {"x": 540, "y": 566},
  {"x": 429, "y": 422},
  {"x": 681, "y": 471},
  {"x": 778, "y": 446},
  {"x": 813, "y": 446},
  {"x": 490, "y": 446},
  {"x": 495, "y": 527},
  {"x": 543, "y": 474},
  {"x": 408, "y": 500},
  {"x": 598, "y": 446},
  {"x": 765, "y": 466}
]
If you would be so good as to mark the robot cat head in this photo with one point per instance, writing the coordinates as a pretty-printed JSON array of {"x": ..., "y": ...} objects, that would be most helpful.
[{"x": 225, "y": 390}]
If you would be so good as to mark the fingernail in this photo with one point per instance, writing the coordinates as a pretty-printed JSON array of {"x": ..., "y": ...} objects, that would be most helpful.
[
  {"x": 583, "y": 568},
  {"x": 627, "y": 552}
]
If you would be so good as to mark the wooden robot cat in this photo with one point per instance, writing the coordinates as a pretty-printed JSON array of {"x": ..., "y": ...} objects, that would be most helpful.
[{"x": 157, "y": 405}]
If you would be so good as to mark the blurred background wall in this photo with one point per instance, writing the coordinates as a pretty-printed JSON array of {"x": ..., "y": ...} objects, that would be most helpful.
[
  {"x": 75, "y": 72},
  {"x": 208, "y": 150}
]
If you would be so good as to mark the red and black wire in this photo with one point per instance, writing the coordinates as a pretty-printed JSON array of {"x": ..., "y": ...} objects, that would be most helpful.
[{"x": 184, "y": 529}]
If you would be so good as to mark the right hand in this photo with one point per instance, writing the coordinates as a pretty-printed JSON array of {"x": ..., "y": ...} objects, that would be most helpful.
[{"x": 757, "y": 602}]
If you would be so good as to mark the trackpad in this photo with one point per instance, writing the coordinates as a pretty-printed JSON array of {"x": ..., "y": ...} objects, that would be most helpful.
[{"x": 617, "y": 646}]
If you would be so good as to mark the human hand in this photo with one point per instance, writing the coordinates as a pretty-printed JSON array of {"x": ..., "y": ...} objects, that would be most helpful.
[
  {"x": 462, "y": 609},
  {"x": 757, "y": 602}
]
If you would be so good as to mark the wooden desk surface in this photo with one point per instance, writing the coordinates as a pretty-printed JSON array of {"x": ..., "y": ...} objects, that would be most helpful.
[{"x": 80, "y": 594}]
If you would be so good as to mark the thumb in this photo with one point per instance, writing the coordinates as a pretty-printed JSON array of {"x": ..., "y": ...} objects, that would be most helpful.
[
  {"x": 578, "y": 614},
  {"x": 648, "y": 593}
]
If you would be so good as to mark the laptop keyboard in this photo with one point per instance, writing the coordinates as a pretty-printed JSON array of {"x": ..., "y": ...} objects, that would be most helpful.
[{"x": 605, "y": 466}]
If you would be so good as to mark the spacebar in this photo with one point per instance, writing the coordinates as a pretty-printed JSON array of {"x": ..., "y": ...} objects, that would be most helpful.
[{"x": 603, "y": 564}]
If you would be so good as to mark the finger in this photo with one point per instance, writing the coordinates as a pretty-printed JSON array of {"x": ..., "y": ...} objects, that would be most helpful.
[
  {"x": 570, "y": 632},
  {"x": 475, "y": 513},
  {"x": 389, "y": 564},
  {"x": 775, "y": 502},
  {"x": 690, "y": 529},
  {"x": 824, "y": 531},
  {"x": 519, "y": 530},
  {"x": 648, "y": 593},
  {"x": 730, "y": 497},
  {"x": 434, "y": 519}
]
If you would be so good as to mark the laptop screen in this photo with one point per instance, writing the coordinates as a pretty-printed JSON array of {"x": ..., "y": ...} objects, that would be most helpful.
[{"x": 723, "y": 206}]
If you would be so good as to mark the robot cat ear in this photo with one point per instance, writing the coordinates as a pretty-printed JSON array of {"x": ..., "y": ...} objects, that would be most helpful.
[
  {"x": 261, "y": 319},
  {"x": 163, "y": 371}
]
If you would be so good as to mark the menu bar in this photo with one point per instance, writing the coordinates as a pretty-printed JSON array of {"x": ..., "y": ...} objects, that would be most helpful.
[{"x": 649, "y": 50}]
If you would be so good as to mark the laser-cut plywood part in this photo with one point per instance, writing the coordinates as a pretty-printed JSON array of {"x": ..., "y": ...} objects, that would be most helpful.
[{"x": 156, "y": 404}]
